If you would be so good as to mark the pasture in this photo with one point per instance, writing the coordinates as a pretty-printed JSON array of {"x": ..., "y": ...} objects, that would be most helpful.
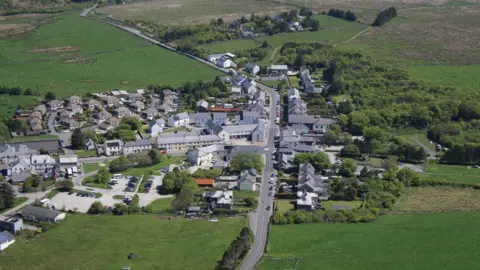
[
  {"x": 452, "y": 173},
  {"x": 434, "y": 199},
  {"x": 70, "y": 55},
  {"x": 461, "y": 76},
  {"x": 162, "y": 205},
  {"x": 412, "y": 241},
  {"x": 104, "y": 242}
]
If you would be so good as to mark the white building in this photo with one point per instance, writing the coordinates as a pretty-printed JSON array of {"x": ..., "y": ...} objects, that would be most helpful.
[
  {"x": 43, "y": 164},
  {"x": 9, "y": 153},
  {"x": 307, "y": 200},
  {"x": 156, "y": 127},
  {"x": 225, "y": 62},
  {"x": 137, "y": 146},
  {"x": 183, "y": 143},
  {"x": 204, "y": 155},
  {"x": 247, "y": 180},
  {"x": 252, "y": 68},
  {"x": 113, "y": 147},
  {"x": 6, "y": 239},
  {"x": 67, "y": 162},
  {"x": 179, "y": 120}
]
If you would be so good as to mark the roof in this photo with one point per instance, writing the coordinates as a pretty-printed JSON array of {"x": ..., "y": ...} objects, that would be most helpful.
[
  {"x": 240, "y": 128},
  {"x": 69, "y": 158},
  {"x": 213, "y": 128},
  {"x": 250, "y": 66},
  {"x": 187, "y": 139},
  {"x": 279, "y": 67},
  {"x": 140, "y": 142},
  {"x": 181, "y": 116},
  {"x": 202, "y": 103},
  {"x": 219, "y": 115},
  {"x": 205, "y": 181},
  {"x": 260, "y": 126},
  {"x": 40, "y": 213},
  {"x": 114, "y": 143},
  {"x": 203, "y": 115},
  {"x": 6, "y": 237},
  {"x": 236, "y": 90},
  {"x": 50, "y": 145},
  {"x": 20, "y": 177}
]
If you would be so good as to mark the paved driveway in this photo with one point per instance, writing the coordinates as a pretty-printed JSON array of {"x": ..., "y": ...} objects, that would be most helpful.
[{"x": 80, "y": 204}]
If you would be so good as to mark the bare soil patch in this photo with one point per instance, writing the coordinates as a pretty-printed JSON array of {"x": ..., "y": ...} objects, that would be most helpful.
[
  {"x": 9, "y": 30},
  {"x": 55, "y": 49},
  {"x": 437, "y": 199}
]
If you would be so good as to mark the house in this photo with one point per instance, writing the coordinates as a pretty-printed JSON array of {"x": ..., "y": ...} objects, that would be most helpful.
[
  {"x": 249, "y": 86},
  {"x": 220, "y": 118},
  {"x": 140, "y": 91},
  {"x": 150, "y": 113},
  {"x": 113, "y": 147},
  {"x": 225, "y": 62},
  {"x": 75, "y": 109},
  {"x": 258, "y": 96},
  {"x": 217, "y": 130},
  {"x": 137, "y": 106},
  {"x": 174, "y": 142},
  {"x": 101, "y": 116},
  {"x": 109, "y": 124},
  {"x": 248, "y": 179},
  {"x": 35, "y": 125},
  {"x": 236, "y": 91},
  {"x": 204, "y": 155},
  {"x": 111, "y": 101},
  {"x": 70, "y": 123},
  {"x": 67, "y": 162},
  {"x": 43, "y": 164},
  {"x": 278, "y": 70},
  {"x": 10, "y": 152},
  {"x": 54, "y": 105},
  {"x": 194, "y": 211},
  {"x": 309, "y": 182},
  {"x": 293, "y": 93},
  {"x": 121, "y": 112},
  {"x": 201, "y": 118},
  {"x": 249, "y": 117},
  {"x": 41, "y": 108},
  {"x": 137, "y": 146},
  {"x": 202, "y": 106},
  {"x": 205, "y": 182},
  {"x": 12, "y": 224},
  {"x": 21, "y": 165},
  {"x": 307, "y": 82},
  {"x": 219, "y": 199},
  {"x": 259, "y": 133},
  {"x": 179, "y": 120},
  {"x": 214, "y": 57},
  {"x": 92, "y": 104},
  {"x": 307, "y": 201},
  {"x": 38, "y": 214},
  {"x": 239, "y": 131},
  {"x": 90, "y": 144},
  {"x": 252, "y": 68},
  {"x": 156, "y": 127},
  {"x": 239, "y": 79},
  {"x": 74, "y": 100},
  {"x": 6, "y": 239},
  {"x": 51, "y": 146},
  {"x": 314, "y": 122},
  {"x": 135, "y": 97}
]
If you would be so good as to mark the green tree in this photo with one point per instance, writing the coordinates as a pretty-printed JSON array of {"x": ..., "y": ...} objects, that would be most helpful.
[
  {"x": 96, "y": 208},
  {"x": 330, "y": 136},
  {"x": 49, "y": 96},
  {"x": 64, "y": 185},
  {"x": 246, "y": 160},
  {"x": 251, "y": 201},
  {"x": 133, "y": 122},
  {"x": 32, "y": 183},
  {"x": 7, "y": 195},
  {"x": 78, "y": 139},
  {"x": 350, "y": 150},
  {"x": 4, "y": 132},
  {"x": 102, "y": 176},
  {"x": 348, "y": 167},
  {"x": 183, "y": 200},
  {"x": 408, "y": 177},
  {"x": 119, "y": 164},
  {"x": 119, "y": 209}
]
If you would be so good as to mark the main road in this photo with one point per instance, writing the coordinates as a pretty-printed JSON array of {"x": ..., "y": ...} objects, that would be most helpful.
[{"x": 259, "y": 220}]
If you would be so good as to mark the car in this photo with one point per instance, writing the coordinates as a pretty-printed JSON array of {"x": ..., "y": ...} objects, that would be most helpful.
[
  {"x": 79, "y": 194},
  {"x": 270, "y": 194},
  {"x": 271, "y": 187},
  {"x": 70, "y": 193},
  {"x": 476, "y": 166},
  {"x": 269, "y": 207},
  {"x": 273, "y": 175}
]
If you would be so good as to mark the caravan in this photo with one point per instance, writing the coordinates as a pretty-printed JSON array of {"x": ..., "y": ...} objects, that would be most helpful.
[{"x": 74, "y": 172}]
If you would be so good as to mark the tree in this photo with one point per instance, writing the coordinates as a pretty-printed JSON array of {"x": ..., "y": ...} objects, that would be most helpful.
[
  {"x": 32, "y": 183},
  {"x": 7, "y": 195},
  {"x": 28, "y": 92},
  {"x": 408, "y": 177},
  {"x": 364, "y": 172},
  {"x": 78, "y": 139},
  {"x": 315, "y": 25},
  {"x": 350, "y": 16},
  {"x": 119, "y": 164},
  {"x": 251, "y": 201},
  {"x": 119, "y": 209},
  {"x": 390, "y": 164},
  {"x": 183, "y": 200},
  {"x": 345, "y": 107},
  {"x": 245, "y": 160},
  {"x": 348, "y": 167},
  {"x": 330, "y": 136},
  {"x": 385, "y": 16},
  {"x": 133, "y": 122},
  {"x": 155, "y": 156},
  {"x": 96, "y": 208},
  {"x": 64, "y": 185},
  {"x": 319, "y": 160},
  {"x": 350, "y": 150},
  {"x": 102, "y": 176},
  {"x": 4, "y": 132},
  {"x": 49, "y": 96},
  {"x": 265, "y": 44}
]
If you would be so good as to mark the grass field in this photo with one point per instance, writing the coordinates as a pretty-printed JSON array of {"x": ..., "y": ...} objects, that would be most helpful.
[
  {"x": 404, "y": 241},
  {"x": 283, "y": 206},
  {"x": 328, "y": 205},
  {"x": 242, "y": 194},
  {"x": 162, "y": 205},
  {"x": 86, "y": 153},
  {"x": 104, "y": 242},
  {"x": 448, "y": 75},
  {"x": 100, "y": 57},
  {"x": 33, "y": 138},
  {"x": 416, "y": 137},
  {"x": 90, "y": 167},
  {"x": 439, "y": 199},
  {"x": 452, "y": 173}
]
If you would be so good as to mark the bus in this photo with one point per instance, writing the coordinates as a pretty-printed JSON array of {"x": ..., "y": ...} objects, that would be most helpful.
[{"x": 75, "y": 172}]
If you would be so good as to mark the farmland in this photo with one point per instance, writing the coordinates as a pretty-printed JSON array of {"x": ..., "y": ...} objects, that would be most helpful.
[
  {"x": 410, "y": 240},
  {"x": 70, "y": 55},
  {"x": 104, "y": 242},
  {"x": 452, "y": 173},
  {"x": 439, "y": 199}
]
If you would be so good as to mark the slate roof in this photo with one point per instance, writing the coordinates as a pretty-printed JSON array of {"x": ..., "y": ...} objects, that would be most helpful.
[
  {"x": 40, "y": 213},
  {"x": 138, "y": 143},
  {"x": 6, "y": 237}
]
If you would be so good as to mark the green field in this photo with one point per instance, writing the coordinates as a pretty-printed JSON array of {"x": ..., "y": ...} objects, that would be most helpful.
[
  {"x": 465, "y": 76},
  {"x": 407, "y": 241},
  {"x": 416, "y": 137},
  {"x": 283, "y": 206},
  {"x": 104, "y": 242},
  {"x": 33, "y": 138},
  {"x": 101, "y": 58},
  {"x": 352, "y": 204},
  {"x": 90, "y": 167},
  {"x": 242, "y": 194},
  {"x": 452, "y": 173},
  {"x": 86, "y": 153},
  {"x": 162, "y": 205}
]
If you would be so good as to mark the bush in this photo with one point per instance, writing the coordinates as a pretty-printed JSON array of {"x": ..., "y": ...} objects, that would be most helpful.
[
  {"x": 96, "y": 208},
  {"x": 119, "y": 209}
]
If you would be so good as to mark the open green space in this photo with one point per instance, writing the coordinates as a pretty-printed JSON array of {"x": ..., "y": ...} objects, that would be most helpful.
[
  {"x": 416, "y": 137},
  {"x": 86, "y": 153},
  {"x": 78, "y": 56},
  {"x": 90, "y": 167},
  {"x": 452, "y": 173},
  {"x": 17, "y": 201},
  {"x": 409, "y": 241},
  {"x": 162, "y": 205},
  {"x": 329, "y": 205},
  {"x": 89, "y": 182},
  {"x": 463, "y": 76},
  {"x": 138, "y": 172},
  {"x": 104, "y": 242},
  {"x": 242, "y": 194},
  {"x": 33, "y": 138},
  {"x": 283, "y": 206}
]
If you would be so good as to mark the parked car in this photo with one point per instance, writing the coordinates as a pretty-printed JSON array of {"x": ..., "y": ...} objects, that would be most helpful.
[
  {"x": 70, "y": 193},
  {"x": 269, "y": 207}
]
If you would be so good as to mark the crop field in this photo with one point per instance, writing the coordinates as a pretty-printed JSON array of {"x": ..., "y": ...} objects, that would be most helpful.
[
  {"x": 104, "y": 242},
  {"x": 434, "y": 199},
  {"x": 71, "y": 55},
  {"x": 192, "y": 11},
  {"x": 452, "y": 173},
  {"x": 406, "y": 241}
]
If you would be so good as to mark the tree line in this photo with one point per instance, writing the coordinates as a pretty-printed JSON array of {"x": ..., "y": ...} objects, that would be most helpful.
[
  {"x": 238, "y": 249},
  {"x": 341, "y": 14},
  {"x": 385, "y": 16},
  {"x": 16, "y": 91}
]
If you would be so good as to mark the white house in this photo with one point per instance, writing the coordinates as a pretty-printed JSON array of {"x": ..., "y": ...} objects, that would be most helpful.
[
  {"x": 6, "y": 239},
  {"x": 21, "y": 165},
  {"x": 252, "y": 68},
  {"x": 156, "y": 127},
  {"x": 38, "y": 214},
  {"x": 43, "y": 164},
  {"x": 113, "y": 147},
  {"x": 214, "y": 57},
  {"x": 307, "y": 200},
  {"x": 204, "y": 155},
  {"x": 179, "y": 120},
  {"x": 137, "y": 146},
  {"x": 225, "y": 62},
  {"x": 67, "y": 162},
  {"x": 220, "y": 198},
  {"x": 322, "y": 124},
  {"x": 247, "y": 180}
]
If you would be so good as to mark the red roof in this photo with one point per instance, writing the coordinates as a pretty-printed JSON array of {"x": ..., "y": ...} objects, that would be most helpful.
[{"x": 205, "y": 181}]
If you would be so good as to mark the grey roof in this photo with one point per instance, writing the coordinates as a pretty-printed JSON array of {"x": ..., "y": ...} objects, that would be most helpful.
[
  {"x": 6, "y": 237},
  {"x": 18, "y": 149},
  {"x": 279, "y": 67},
  {"x": 240, "y": 128},
  {"x": 188, "y": 139},
  {"x": 181, "y": 116},
  {"x": 20, "y": 177},
  {"x": 49, "y": 145},
  {"x": 41, "y": 159},
  {"x": 232, "y": 152},
  {"x": 213, "y": 128},
  {"x": 202, "y": 115},
  {"x": 120, "y": 110},
  {"x": 114, "y": 143},
  {"x": 140, "y": 142},
  {"x": 219, "y": 115},
  {"x": 40, "y": 213},
  {"x": 250, "y": 66},
  {"x": 250, "y": 114},
  {"x": 202, "y": 103},
  {"x": 261, "y": 127}
]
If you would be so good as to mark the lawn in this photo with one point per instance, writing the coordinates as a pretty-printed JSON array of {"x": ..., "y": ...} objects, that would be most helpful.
[
  {"x": 406, "y": 241},
  {"x": 90, "y": 167},
  {"x": 104, "y": 242},
  {"x": 416, "y": 137},
  {"x": 17, "y": 201},
  {"x": 52, "y": 193},
  {"x": 33, "y": 138},
  {"x": 242, "y": 194},
  {"x": 283, "y": 206},
  {"x": 352, "y": 204},
  {"x": 439, "y": 199},
  {"x": 452, "y": 173},
  {"x": 101, "y": 57},
  {"x": 85, "y": 153},
  {"x": 88, "y": 181},
  {"x": 138, "y": 172},
  {"x": 162, "y": 205}
]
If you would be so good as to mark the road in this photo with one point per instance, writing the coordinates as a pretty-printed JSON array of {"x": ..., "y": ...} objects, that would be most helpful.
[{"x": 259, "y": 220}]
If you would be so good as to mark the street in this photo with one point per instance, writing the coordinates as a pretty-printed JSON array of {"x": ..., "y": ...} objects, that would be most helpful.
[{"x": 259, "y": 220}]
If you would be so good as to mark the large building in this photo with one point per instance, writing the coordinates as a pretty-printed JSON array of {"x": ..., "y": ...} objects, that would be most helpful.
[{"x": 178, "y": 143}]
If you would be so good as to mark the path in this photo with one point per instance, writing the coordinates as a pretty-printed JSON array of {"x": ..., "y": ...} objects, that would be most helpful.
[
  {"x": 274, "y": 53},
  {"x": 31, "y": 198},
  {"x": 429, "y": 151},
  {"x": 355, "y": 36}
]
